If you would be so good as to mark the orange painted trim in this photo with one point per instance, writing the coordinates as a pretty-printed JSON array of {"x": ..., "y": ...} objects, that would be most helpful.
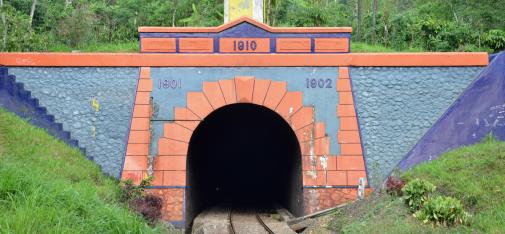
[
  {"x": 248, "y": 20},
  {"x": 195, "y": 44},
  {"x": 242, "y": 60}
]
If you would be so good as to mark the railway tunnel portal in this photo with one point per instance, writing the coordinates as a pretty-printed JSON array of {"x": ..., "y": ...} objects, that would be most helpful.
[{"x": 254, "y": 163}]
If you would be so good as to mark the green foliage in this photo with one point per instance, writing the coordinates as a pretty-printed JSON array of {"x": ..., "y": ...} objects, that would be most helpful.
[
  {"x": 431, "y": 25},
  {"x": 442, "y": 210},
  {"x": 130, "y": 191},
  {"x": 48, "y": 187},
  {"x": 495, "y": 39},
  {"x": 416, "y": 192},
  {"x": 473, "y": 175}
]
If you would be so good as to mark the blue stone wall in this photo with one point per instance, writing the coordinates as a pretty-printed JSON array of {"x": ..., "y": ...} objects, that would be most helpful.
[
  {"x": 94, "y": 104},
  {"x": 397, "y": 105}
]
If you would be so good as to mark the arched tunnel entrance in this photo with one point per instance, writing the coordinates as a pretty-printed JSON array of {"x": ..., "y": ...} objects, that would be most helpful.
[{"x": 243, "y": 155}]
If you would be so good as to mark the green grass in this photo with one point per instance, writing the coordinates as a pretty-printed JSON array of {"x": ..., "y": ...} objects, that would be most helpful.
[
  {"x": 360, "y": 47},
  {"x": 48, "y": 187},
  {"x": 132, "y": 46},
  {"x": 473, "y": 174}
]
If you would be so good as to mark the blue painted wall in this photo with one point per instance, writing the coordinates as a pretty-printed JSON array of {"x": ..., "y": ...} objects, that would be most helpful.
[
  {"x": 397, "y": 105},
  {"x": 68, "y": 94}
]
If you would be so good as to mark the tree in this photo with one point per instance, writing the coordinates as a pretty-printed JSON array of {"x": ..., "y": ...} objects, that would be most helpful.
[
  {"x": 32, "y": 12},
  {"x": 4, "y": 24},
  {"x": 360, "y": 15},
  {"x": 374, "y": 20}
]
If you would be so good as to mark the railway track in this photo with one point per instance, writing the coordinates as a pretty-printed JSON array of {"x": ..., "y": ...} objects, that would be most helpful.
[
  {"x": 247, "y": 222},
  {"x": 227, "y": 219}
]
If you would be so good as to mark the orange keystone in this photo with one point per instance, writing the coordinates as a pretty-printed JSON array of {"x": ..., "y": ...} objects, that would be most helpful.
[
  {"x": 260, "y": 91},
  {"x": 145, "y": 85},
  {"x": 344, "y": 85},
  {"x": 174, "y": 178},
  {"x": 139, "y": 124},
  {"x": 331, "y": 45},
  {"x": 244, "y": 86},
  {"x": 351, "y": 149},
  {"x": 345, "y": 98},
  {"x": 137, "y": 149},
  {"x": 198, "y": 104},
  {"x": 172, "y": 147},
  {"x": 348, "y": 137},
  {"x": 139, "y": 137},
  {"x": 289, "y": 104},
  {"x": 346, "y": 111},
  {"x": 293, "y": 45},
  {"x": 157, "y": 44},
  {"x": 213, "y": 93},
  {"x": 176, "y": 163},
  {"x": 336, "y": 178},
  {"x": 350, "y": 163},
  {"x": 353, "y": 177},
  {"x": 228, "y": 89},
  {"x": 132, "y": 163},
  {"x": 196, "y": 45},
  {"x": 176, "y": 132},
  {"x": 275, "y": 93}
]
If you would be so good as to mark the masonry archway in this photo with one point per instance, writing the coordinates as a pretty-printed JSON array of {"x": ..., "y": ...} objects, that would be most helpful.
[{"x": 243, "y": 155}]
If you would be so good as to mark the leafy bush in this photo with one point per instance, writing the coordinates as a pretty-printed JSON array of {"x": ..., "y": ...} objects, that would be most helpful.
[
  {"x": 495, "y": 39},
  {"x": 394, "y": 186},
  {"x": 416, "y": 192},
  {"x": 442, "y": 210}
]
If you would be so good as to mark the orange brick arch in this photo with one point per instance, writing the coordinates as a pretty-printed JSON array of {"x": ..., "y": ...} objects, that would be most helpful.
[{"x": 319, "y": 167}]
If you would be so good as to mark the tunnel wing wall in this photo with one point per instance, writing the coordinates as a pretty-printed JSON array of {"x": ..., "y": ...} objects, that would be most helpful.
[
  {"x": 397, "y": 105},
  {"x": 479, "y": 111},
  {"x": 93, "y": 103}
]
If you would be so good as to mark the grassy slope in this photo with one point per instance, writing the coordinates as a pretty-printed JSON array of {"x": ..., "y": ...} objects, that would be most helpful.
[
  {"x": 474, "y": 174},
  {"x": 48, "y": 187}
]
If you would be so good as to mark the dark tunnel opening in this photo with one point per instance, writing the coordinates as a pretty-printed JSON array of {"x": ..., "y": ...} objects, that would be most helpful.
[{"x": 243, "y": 155}]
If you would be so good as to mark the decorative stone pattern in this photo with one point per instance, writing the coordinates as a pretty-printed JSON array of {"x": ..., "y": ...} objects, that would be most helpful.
[
  {"x": 94, "y": 104},
  {"x": 397, "y": 105}
]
